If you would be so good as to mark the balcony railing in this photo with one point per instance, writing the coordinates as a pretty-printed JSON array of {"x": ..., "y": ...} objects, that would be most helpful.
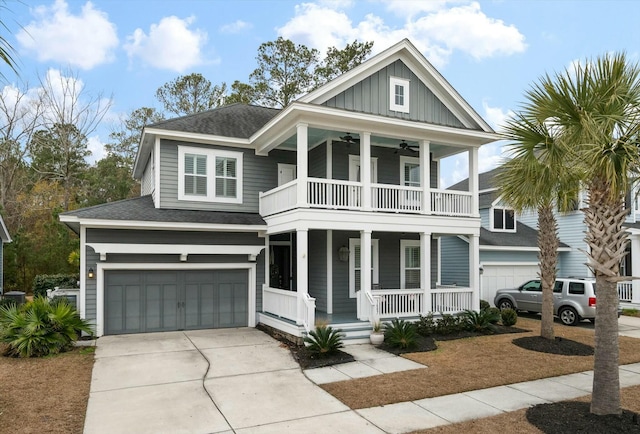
[
  {"x": 625, "y": 291},
  {"x": 347, "y": 195}
]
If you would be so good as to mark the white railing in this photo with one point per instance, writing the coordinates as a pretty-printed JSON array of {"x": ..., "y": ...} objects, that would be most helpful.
[
  {"x": 371, "y": 304},
  {"x": 279, "y": 199},
  {"x": 308, "y": 312},
  {"x": 451, "y": 300},
  {"x": 453, "y": 203},
  {"x": 625, "y": 291},
  {"x": 397, "y": 303},
  {"x": 332, "y": 193},
  {"x": 280, "y": 302},
  {"x": 396, "y": 198}
]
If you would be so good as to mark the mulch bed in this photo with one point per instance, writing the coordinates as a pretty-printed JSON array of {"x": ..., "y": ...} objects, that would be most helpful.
[
  {"x": 560, "y": 346},
  {"x": 568, "y": 417},
  {"x": 308, "y": 360},
  {"x": 423, "y": 343}
]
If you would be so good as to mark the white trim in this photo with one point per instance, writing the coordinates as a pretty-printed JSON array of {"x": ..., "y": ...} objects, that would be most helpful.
[
  {"x": 508, "y": 264},
  {"x": 518, "y": 249},
  {"x": 329, "y": 271},
  {"x": 169, "y": 226},
  {"x": 156, "y": 173},
  {"x": 102, "y": 267},
  {"x": 329, "y": 173},
  {"x": 403, "y": 245},
  {"x": 211, "y": 155},
  {"x": 4, "y": 233},
  {"x": 178, "y": 249},
  {"x": 408, "y": 160},
  {"x": 504, "y": 209},
  {"x": 83, "y": 270},
  {"x": 404, "y": 84},
  {"x": 375, "y": 264}
]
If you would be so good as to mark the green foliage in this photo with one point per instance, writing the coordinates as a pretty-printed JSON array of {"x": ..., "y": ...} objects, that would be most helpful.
[
  {"x": 482, "y": 321},
  {"x": 400, "y": 333},
  {"x": 426, "y": 325},
  {"x": 338, "y": 62},
  {"x": 324, "y": 340},
  {"x": 43, "y": 282},
  {"x": 509, "y": 317},
  {"x": 109, "y": 180},
  {"x": 496, "y": 314},
  {"x": 189, "y": 94},
  {"x": 126, "y": 136},
  {"x": 377, "y": 327},
  {"x": 39, "y": 328},
  {"x": 448, "y": 324},
  {"x": 484, "y": 305},
  {"x": 7, "y": 302}
]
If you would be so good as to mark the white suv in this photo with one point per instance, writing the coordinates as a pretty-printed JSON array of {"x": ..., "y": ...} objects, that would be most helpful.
[{"x": 574, "y": 299}]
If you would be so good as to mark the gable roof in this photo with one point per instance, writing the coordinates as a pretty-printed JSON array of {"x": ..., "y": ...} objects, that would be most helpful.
[
  {"x": 4, "y": 233},
  {"x": 486, "y": 186}
]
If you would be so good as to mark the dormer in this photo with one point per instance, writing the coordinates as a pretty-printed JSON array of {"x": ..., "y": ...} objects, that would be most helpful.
[{"x": 501, "y": 218}]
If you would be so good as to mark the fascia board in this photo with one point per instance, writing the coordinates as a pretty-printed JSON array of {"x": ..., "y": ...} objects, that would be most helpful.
[{"x": 154, "y": 225}]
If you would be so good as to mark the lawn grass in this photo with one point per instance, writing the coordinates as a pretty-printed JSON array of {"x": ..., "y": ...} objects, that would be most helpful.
[{"x": 474, "y": 363}]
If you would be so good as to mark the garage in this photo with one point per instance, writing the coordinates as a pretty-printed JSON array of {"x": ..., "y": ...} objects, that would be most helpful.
[
  {"x": 498, "y": 276},
  {"x": 142, "y": 301}
]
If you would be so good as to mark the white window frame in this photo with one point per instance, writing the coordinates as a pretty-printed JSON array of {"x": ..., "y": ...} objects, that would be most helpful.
[
  {"x": 375, "y": 264},
  {"x": 403, "y": 82},
  {"x": 503, "y": 209},
  {"x": 354, "y": 160},
  {"x": 403, "y": 266},
  {"x": 403, "y": 162},
  {"x": 211, "y": 155}
]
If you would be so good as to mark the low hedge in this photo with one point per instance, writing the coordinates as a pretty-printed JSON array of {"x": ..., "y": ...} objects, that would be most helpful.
[{"x": 42, "y": 282}]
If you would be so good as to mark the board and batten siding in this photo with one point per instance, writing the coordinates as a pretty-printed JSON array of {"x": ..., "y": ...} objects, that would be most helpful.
[
  {"x": 259, "y": 174},
  {"x": 371, "y": 95}
]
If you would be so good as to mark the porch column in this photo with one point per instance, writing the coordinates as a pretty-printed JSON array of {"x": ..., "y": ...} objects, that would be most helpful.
[
  {"x": 425, "y": 270},
  {"x": 329, "y": 271},
  {"x": 635, "y": 268},
  {"x": 329, "y": 173},
  {"x": 365, "y": 273},
  {"x": 425, "y": 176},
  {"x": 473, "y": 182},
  {"x": 267, "y": 262},
  {"x": 302, "y": 151},
  {"x": 365, "y": 169},
  {"x": 474, "y": 270},
  {"x": 302, "y": 269}
]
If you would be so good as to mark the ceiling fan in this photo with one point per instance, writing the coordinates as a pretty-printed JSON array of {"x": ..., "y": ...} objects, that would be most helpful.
[
  {"x": 407, "y": 147},
  {"x": 349, "y": 139}
]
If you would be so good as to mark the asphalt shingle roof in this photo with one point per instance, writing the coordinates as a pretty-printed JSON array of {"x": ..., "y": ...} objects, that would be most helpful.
[
  {"x": 524, "y": 236},
  {"x": 234, "y": 120}
]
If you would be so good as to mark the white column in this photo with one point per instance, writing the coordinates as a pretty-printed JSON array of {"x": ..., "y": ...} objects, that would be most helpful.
[
  {"x": 425, "y": 270},
  {"x": 329, "y": 173},
  {"x": 267, "y": 262},
  {"x": 474, "y": 270},
  {"x": 365, "y": 169},
  {"x": 425, "y": 176},
  {"x": 302, "y": 152},
  {"x": 330, "y": 271},
  {"x": 473, "y": 182},
  {"x": 635, "y": 268},
  {"x": 365, "y": 273},
  {"x": 302, "y": 268}
]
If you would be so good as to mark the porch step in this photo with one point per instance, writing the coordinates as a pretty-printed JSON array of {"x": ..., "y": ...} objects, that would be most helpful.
[{"x": 354, "y": 333}]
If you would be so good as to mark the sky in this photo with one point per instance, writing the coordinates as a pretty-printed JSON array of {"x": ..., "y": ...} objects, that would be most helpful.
[{"x": 490, "y": 51}]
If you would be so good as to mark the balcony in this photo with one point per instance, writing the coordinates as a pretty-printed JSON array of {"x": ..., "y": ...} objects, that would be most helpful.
[{"x": 348, "y": 195}]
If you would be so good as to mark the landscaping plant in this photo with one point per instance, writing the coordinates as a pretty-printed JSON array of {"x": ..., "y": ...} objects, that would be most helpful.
[
  {"x": 39, "y": 328},
  {"x": 482, "y": 321},
  {"x": 509, "y": 317},
  {"x": 449, "y": 324},
  {"x": 426, "y": 325},
  {"x": 324, "y": 340},
  {"x": 400, "y": 333},
  {"x": 484, "y": 305}
]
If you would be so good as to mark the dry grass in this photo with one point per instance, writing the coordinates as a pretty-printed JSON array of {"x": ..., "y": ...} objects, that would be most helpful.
[
  {"x": 45, "y": 395},
  {"x": 474, "y": 363}
]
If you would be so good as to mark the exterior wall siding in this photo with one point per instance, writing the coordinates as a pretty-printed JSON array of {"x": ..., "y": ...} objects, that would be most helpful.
[
  {"x": 147, "y": 184},
  {"x": 318, "y": 268},
  {"x": 455, "y": 261},
  {"x": 371, "y": 95},
  {"x": 318, "y": 161}
]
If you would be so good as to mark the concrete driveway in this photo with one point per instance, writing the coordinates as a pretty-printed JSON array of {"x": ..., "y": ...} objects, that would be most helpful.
[{"x": 208, "y": 381}]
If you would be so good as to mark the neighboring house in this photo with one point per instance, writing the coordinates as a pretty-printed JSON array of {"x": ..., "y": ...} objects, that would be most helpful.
[
  {"x": 256, "y": 215},
  {"x": 509, "y": 246},
  {"x": 4, "y": 239}
]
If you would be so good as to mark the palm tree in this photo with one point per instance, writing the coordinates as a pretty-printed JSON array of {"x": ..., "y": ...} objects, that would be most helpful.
[
  {"x": 594, "y": 115},
  {"x": 534, "y": 179},
  {"x": 6, "y": 50}
]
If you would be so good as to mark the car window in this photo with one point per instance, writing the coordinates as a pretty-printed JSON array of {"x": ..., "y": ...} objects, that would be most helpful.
[
  {"x": 576, "y": 288},
  {"x": 533, "y": 285},
  {"x": 558, "y": 286}
]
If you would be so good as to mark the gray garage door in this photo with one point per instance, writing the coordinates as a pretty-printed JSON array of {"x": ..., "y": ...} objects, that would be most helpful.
[{"x": 139, "y": 301}]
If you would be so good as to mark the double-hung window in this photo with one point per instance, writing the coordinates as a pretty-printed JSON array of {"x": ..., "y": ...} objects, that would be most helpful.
[
  {"x": 399, "y": 94},
  {"x": 355, "y": 271},
  {"x": 410, "y": 264},
  {"x": 210, "y": 175}
]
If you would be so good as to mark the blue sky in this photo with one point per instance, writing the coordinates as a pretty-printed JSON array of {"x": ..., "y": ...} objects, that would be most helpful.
[{"x": 490, "y": 51}]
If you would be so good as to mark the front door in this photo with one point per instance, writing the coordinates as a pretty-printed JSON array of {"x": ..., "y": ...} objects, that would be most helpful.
[
  {"x": 354, "y": 169},
  {"x": 286, "y": 173}
]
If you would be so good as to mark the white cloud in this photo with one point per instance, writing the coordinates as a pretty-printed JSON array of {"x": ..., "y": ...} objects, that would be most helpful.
[
  {"x": 235, "y": 27},
  {"x": 496, "y": 116},
  {"x": 170, "y": 44},
  {"x": 95, "y": 145},
  {"x": 85, "y": 40}
]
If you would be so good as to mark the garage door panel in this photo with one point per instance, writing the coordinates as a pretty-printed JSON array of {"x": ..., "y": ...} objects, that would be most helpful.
[{"x": 505, "y": 276}]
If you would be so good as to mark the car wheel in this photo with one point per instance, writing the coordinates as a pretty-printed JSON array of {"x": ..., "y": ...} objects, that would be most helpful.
[
  {"x": 568, "y": 316},
  {"x": 505, "y": 304}
]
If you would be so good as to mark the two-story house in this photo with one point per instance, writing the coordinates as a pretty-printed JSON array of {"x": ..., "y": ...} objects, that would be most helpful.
[{"x": 257, "y": 215}]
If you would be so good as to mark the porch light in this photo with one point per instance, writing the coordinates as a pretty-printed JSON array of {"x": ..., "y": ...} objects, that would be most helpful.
[
  {"x": 90, "y": 274},
  {"x": 343, "y": 254}
]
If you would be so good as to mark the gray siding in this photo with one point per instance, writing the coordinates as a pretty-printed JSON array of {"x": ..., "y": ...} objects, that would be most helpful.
[
  {"x": 259, "y": 173},
  {"x": 371, "y": 95},
  {"x": 318, "y": 161},
  {"x": 318, "y": 268},
  {"x": 485, "y": 220},
  {"x": 147, "y": 185},
  {"x": 455, "y": 261}
]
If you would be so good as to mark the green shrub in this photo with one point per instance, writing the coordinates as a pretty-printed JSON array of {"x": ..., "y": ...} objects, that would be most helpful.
[
  {"x": 426, "y": 325},
  {"x": 495, "y": 318},
  {"x": 484, "y": 305},
  {"x": 39, "y": 328},
  {"x": 482, "y": 321},
  {"x": 509, "y": 317},
  {"x": 42, "y": 282},
  {"x": 324, "y": 340},
  {"x": 4, "y": 301},
  {"x": 400, "y": 333},
  {"x": 449, "y": 324}
]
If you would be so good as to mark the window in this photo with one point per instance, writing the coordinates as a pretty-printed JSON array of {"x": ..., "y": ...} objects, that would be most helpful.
[
  {"x": 576, "y": 288},
  {"x": 558, "y": 286},
  {"x": 532, "y": 285},
  {"x": 355, "y": 265},
  {"x": 399, "y": 94},
  {"x": 409, "y": 264},
  {"x": 410, "y": 171},
  {"x": 503, "y": 219},
  {"x": 209, "y": 175}
]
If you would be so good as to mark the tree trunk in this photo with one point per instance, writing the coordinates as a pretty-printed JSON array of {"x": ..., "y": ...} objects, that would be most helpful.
[
  {"x": 548, "y": 259},
  {"x": 606, "y": 239}
]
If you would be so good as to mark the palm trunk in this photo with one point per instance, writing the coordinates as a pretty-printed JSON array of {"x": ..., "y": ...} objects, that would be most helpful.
[
  {"x": 548, "y": 259},
  {"x": 606, "y": 239}
]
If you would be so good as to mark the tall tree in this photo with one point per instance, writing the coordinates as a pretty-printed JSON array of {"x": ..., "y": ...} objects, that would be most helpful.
[
  {"x": 535, "y": 179},
  {"x": 241, "y": 93},
  {"x": 337, "y": 62},
  {"x": 190, "y": 94},
  {"x": 125, "y": 138},
  {"x": 109, "y": 180},
  {"x": 594, "y": 109}
]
